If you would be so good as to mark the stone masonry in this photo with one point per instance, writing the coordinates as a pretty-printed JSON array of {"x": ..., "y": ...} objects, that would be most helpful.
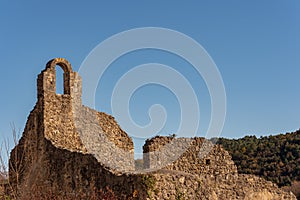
[
  {"x": 69, "y": 149},
  {"x": 201, "y": 174}
]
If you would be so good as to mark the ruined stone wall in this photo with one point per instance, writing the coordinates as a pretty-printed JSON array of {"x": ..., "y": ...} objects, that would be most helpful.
[
  {"x": 202, "y": 171},
  {"x": 68, "y": 148},
  {"x": 77, "y": 173},
  {"x": 70, "y": 125},
  {"x": 114, "y": 132},
  {"x": 27, "y": 153},
  {"x": 199, "y": 156},
  {"x": 38, "y": 165},
  {"x": 177, "y": 185},
  {"x": 67, "y": 174},
  {"x": 216, "y": 162},
  {"x": 53, "y": 120},
  {"x": 119, "y": 155},
  {"x": 59, "y": 125}
]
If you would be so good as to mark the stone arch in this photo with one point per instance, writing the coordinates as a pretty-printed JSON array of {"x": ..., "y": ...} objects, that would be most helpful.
[
  {"x": 63, "y": 63},
  {"x": 66, "y": 67}
]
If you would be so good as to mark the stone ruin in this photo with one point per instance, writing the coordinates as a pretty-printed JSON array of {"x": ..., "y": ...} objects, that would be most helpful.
[{"x": 71, "y": 149}]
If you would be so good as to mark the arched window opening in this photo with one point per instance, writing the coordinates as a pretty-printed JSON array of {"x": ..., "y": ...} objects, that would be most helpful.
[{"x": 59, "y": 80}]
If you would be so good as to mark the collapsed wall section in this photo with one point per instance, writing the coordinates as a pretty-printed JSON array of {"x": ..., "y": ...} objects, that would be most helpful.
[
  {"x": 67, "y": 148},
  {"x": 202, "y": 171},
  {"x": 114, "y": 152},
  {"x": 53, "y": 120},
  {"x": 198, "y": 156},
  {"x": 170, "y": 184}
]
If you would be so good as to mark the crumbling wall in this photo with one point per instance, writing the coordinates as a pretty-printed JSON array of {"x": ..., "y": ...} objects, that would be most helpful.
[
  {"x": 199, "y": 156},
  {"x": 203, "y": 171},
  {"x": 52, "y": 127},
  {"x": 167, "y": 184},
  {"x": 69, "y": 149},
  {"x": 77, "y": 173},
  {"x": 114, "y": 132},
  {"x": 70, "y": 125},
  {"x": 102, "y": 145},
  {"x": 27, "y": 154},
  {"x": 58, "y": 121}
]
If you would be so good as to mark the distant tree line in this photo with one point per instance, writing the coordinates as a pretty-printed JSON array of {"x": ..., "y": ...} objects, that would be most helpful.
[{"x": 275, "y": 158}]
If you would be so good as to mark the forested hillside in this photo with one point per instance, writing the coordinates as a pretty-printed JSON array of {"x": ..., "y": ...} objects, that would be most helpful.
[{"x": 276, "y": 158}]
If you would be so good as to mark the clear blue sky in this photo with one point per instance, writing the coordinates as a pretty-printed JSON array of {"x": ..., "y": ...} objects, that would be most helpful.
[{"x": 255, "y": 44}]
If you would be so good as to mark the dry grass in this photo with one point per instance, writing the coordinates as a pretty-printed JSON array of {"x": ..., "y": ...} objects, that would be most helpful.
[{"x": 7, "y": 191}]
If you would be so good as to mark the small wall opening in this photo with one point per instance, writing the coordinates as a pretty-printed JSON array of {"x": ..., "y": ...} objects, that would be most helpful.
[
  {"x": 59, "y": 80},
  {"x": 207, "y": 161}
]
